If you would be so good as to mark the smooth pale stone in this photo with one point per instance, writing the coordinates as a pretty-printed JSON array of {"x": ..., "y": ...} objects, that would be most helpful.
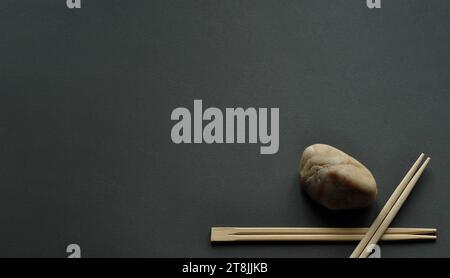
[{"x": 335, "y": 179}]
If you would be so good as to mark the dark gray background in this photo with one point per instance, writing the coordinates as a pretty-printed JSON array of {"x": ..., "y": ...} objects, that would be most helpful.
[{"x": 86, "y": 97}]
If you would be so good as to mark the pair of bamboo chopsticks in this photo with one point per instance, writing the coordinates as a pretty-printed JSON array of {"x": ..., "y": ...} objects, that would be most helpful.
[
  {"x": 241, "y": 234},
  {"x": 390, "y": 209}
]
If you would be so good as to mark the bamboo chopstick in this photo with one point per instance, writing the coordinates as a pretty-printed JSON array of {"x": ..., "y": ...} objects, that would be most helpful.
[
  {"x": 387, "y": 207},
  {"x": 240, "y": 234},
  {"x": 390, "y": 209},
  {"x": 391, "y": 215}
]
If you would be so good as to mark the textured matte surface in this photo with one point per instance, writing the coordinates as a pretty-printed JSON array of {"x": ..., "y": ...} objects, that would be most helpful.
[{"x": 86, "y": 96}]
